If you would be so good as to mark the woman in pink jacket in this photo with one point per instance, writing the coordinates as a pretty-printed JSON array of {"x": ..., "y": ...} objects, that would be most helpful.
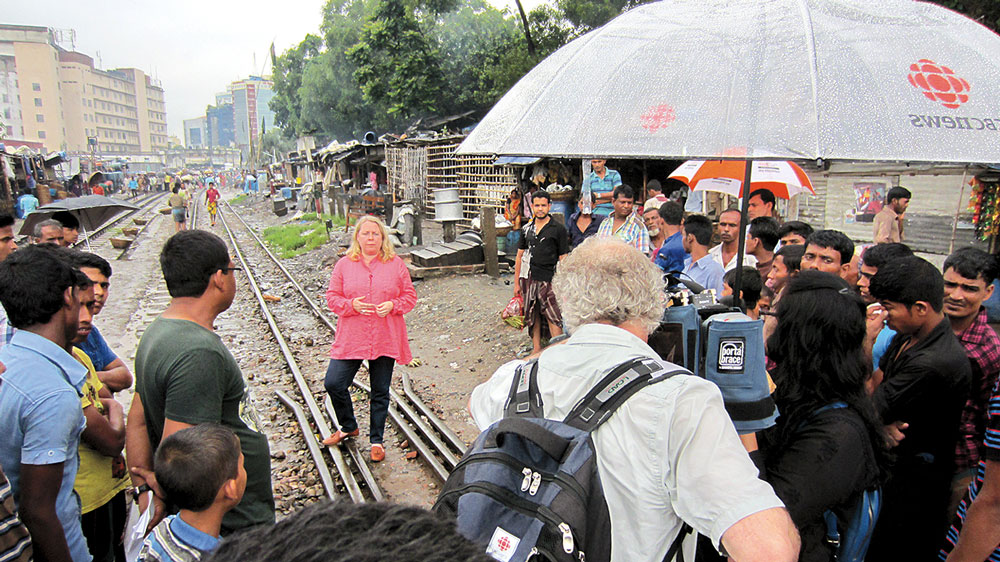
[{"x": 370, "y": 291}]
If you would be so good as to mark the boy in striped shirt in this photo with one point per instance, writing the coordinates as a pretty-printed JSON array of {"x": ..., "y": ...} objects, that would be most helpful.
[{"x": 199, "y": 470}]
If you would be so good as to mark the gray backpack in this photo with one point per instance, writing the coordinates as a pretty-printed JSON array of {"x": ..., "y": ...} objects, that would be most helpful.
[{"x": 528, "y": 488}]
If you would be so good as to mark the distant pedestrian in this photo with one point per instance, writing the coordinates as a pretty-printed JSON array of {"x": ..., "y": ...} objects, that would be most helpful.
[
  {"x": 794, "y": 232},
  {"x": 701, "y": 267},
  {"x": 178, "y": 206},
  {"x": 186, "y": 376},
  {"x": 888, "y": 223},
  {"x": 545, "y": 243},
  {"x": 370, "y": 291},
  {"x": 761, "y": 204},
  {"x": 602, "y": 182},
  {"x": 212, "y": 197},
  {"x": 200, "y": 470},
  {"x": 98, "y": 189},
  {"x": 26, "y": 204},
  {"x": 133, "y": 186}
]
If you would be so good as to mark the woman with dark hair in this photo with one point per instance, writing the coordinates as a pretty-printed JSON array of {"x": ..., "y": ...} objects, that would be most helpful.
[{"x": 827, "y": 446}]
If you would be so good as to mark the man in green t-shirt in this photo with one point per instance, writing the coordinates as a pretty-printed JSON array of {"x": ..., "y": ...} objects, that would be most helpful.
[{"x": 185, "y": 375}]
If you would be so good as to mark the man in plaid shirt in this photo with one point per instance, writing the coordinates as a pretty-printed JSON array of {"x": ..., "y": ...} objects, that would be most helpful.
[
  {"x": 623, "y": 223},
  {"x": 968, "y": 281}
]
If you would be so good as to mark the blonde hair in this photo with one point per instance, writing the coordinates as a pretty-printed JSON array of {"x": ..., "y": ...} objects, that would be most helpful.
[{"x": 385, "y": 253}]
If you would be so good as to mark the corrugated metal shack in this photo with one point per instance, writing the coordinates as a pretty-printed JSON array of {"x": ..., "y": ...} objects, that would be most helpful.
[{"x": 937, "y": 221}]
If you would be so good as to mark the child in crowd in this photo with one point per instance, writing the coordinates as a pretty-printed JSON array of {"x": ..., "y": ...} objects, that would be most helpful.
[{"x": 200, "y": 470}]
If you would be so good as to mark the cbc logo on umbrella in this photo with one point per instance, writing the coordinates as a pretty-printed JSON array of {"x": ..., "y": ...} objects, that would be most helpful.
[{"x": 939, "y": 83}]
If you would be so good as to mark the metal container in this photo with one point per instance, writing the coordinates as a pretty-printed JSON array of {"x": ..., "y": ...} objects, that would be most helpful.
[
  {"x": 447, "y": 205},
  {"x": 279, "y": 207}
]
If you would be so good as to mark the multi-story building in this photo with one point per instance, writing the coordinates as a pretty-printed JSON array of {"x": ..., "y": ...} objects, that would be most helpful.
[
  {"x": 195, "y": 132},
  {"x": 250, "y": 109},
  {"x": 58, "y": 97},
  {"x": 31, "y": 87},
  {"x": 220, "y": 129}
]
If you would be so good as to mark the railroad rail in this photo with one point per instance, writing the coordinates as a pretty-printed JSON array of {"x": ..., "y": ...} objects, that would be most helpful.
[
  {"x": 348, "y": 472},
  {"x": 145, "y": 203},
  {"x": 435, "y": 442}
]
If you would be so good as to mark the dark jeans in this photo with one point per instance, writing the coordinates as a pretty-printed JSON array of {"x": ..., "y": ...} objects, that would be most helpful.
[
  {"x": 338, "y": 379},
  {"x": 104, "y": 528}
]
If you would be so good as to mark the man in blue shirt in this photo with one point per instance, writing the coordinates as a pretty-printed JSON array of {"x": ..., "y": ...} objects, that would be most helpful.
[
  {"x": 27, "y": 203},
  {"x": 602, "y": 183},
  {"x": 110, "y": 368},
  {"x": 40, "y": 394},
  {"x": 7, "y": 246},
  {"x": 671, "y": 255},
  {"x": 702, "y": 269}
]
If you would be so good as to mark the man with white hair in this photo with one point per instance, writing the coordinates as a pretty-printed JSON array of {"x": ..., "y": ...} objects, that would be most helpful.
[
  {"x": 670, "y": 454},
  {"x": 48, "y": 232}
]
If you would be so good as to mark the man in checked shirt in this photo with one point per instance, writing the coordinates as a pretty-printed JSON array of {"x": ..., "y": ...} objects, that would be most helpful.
[{"x": 968, "y": 281}]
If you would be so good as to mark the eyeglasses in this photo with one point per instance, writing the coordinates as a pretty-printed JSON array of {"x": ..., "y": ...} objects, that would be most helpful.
[{"x": 228, "y": 269}]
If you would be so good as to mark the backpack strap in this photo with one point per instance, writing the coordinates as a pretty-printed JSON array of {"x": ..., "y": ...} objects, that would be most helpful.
[
  {"x": 524, "y": 400},
  {"x": 617, "y": 386},
  {"x": 675, "y": 547}
]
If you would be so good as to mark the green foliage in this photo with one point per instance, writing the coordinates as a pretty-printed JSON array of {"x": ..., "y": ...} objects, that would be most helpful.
[
  {"x": 292, "y": 240},
  {"x": 381, "y": 64},
  {"x": 986, "y": 12},
  {"x": 238, "y": 199},
  {"x": 397, "y": 66}
]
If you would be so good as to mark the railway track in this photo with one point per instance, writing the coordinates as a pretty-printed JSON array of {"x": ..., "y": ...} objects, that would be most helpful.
[
  {"x": 146, "y": 203},
  {"x": 438, "y": 446}
]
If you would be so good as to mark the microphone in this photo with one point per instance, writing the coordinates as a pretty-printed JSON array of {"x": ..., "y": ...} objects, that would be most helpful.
[{"x": 673, "y": 278}]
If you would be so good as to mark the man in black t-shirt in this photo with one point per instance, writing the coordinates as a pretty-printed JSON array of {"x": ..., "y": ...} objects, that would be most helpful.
[
  {"x": 544, "y": 242},
  {"x": 920, "y": 399}
]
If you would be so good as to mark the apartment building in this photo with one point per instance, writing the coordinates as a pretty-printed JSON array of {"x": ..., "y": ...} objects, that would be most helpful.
[
  {"x": 30, "y": 91},
  {"x": 64, "y": 101}
]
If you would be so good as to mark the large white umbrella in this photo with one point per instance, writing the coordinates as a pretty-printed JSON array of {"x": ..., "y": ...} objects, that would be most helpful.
[{"x": 892, "y": 80}]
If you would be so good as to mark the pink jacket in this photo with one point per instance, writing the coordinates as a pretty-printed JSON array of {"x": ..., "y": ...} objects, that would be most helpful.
[{"x": 370, "y": 336}]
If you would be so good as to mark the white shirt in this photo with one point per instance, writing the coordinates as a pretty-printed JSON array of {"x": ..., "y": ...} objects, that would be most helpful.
[
  {"x": 669, "y": 453},
  {"x": 716, "y": 254}
]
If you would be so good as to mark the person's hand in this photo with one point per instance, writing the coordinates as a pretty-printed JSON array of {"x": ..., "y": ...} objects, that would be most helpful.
[
  {"x": 384, "y": 309},
  {"x": 875, "y": 320},
  {"x": 894, "y": 433},
  {"x": 159, "y": 503},
  {"x": 517, "y": 289},
  {"x": 361, "y": 307},
  {"x": 112, "y": 407}
]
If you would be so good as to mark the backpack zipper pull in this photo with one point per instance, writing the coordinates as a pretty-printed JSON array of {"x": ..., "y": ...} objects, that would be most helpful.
[
  {"x": 533, "y": 553},
  {"x": 527, "y": 479},
  {"x": 536, "y": 481},
  {"x": 567, "y": 536}
]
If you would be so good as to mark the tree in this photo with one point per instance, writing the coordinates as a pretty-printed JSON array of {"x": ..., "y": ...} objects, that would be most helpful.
[
  {"x": 287, "y": 77},
  {"x": 986, "y": 12},
  {"x": 397, "y": 66}
]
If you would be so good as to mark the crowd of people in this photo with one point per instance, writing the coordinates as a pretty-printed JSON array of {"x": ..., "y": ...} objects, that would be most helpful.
[{"x": 883, "y": 368}]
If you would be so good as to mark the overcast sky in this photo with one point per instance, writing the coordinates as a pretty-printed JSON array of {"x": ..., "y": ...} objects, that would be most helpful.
[{"x": 194, "y": 47}]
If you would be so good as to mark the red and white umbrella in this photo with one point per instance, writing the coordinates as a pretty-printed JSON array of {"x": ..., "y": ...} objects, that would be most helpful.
[{"x": 782, "y": 178}]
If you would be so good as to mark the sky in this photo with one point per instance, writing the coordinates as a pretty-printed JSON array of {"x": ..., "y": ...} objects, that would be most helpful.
[{"x": 194, "y": 47}]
